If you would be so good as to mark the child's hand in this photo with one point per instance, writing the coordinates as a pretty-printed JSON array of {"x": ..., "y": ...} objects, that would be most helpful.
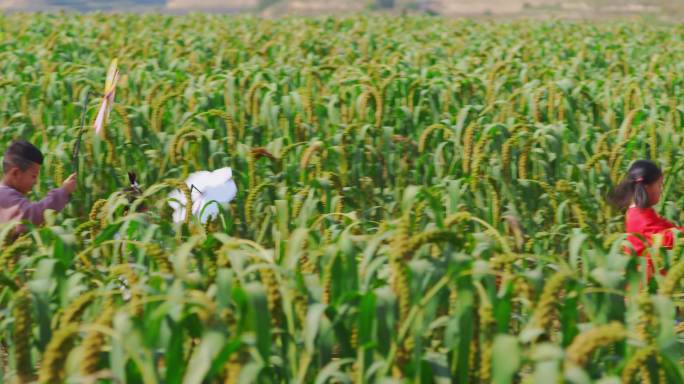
[{"x": 70, "y": 183}]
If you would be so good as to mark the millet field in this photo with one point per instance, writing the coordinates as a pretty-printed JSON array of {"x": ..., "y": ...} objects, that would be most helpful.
[{"x": 419, "y": 200}]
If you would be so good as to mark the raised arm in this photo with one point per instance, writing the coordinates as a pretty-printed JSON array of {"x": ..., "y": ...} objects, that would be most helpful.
[
  {"x": 34, "y": 212},
  {"x": 15, "y": 206}
]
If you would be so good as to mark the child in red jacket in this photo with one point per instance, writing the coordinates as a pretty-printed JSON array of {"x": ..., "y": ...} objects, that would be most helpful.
[{"x": 638, "y": 193}]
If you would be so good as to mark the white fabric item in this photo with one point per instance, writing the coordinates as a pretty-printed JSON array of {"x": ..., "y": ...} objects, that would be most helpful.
[{"x": 213, "y": 186}]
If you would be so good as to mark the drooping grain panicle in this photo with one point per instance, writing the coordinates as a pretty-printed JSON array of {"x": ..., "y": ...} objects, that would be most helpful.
[
  {"x": 52, "y": 369},
  {"x": 22, "y": 312},
  {"x": 544, "y": 310},
  {"x": 585, "y": 343},
  {"x": 637, "y": 364},
  {"x": 673, "y": 279},
  {"x": 94, "y": 341},
  {"x": 73, "y": 312}
]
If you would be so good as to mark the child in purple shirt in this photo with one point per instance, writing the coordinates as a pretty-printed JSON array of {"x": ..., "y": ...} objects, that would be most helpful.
[{"x": 21, "y": 166}]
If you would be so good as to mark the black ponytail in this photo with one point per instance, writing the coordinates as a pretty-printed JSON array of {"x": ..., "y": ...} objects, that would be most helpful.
[{"x": 633, "y": 187}]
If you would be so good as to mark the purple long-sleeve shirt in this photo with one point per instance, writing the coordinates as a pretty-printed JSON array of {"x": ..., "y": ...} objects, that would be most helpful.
[{"x": 15, "y": 206}]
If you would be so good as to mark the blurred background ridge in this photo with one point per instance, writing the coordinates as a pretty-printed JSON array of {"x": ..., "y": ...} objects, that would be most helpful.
[{"x": 671, "y": 10}]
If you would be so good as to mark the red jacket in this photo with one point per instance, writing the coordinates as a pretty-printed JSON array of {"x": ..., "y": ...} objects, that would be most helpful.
[{"x": 645, "y": 222}]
